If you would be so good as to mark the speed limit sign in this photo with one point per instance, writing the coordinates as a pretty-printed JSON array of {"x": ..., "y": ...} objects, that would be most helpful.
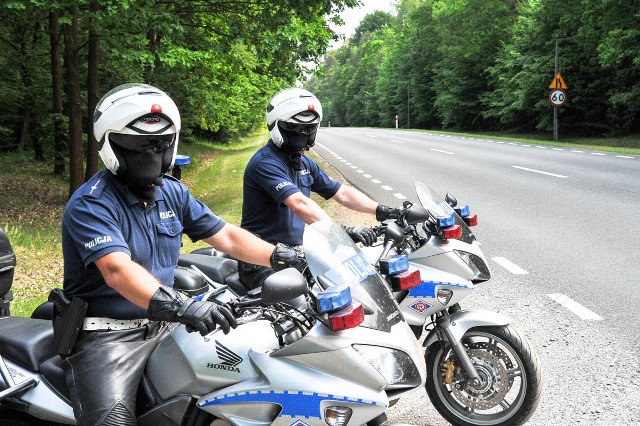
[{"x": 557, "y": 97}]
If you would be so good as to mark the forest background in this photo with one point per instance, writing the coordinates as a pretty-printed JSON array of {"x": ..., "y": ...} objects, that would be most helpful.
[
  {"x": 454, "y": 65},
  {"x": 465, "y": 65}
]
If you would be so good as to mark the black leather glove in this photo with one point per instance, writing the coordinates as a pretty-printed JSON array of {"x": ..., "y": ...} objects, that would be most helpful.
[
  {"x": 385, "y": 212},
  {"x": 361, "y": 234},
  {"x": 168, "y": 304},
  {"x": 284, "y": 256}
]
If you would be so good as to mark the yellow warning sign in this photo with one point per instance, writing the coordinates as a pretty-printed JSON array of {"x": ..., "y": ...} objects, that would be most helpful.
[{"x": 557, "y": 83}]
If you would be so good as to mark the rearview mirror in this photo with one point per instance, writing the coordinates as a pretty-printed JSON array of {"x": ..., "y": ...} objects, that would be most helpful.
[{"x": 283, "y": 286}]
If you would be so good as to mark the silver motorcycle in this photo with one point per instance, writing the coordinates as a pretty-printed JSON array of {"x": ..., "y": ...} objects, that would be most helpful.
[
  {"x": 480, "y": 369},
  {"x": 341, "y": 357}
]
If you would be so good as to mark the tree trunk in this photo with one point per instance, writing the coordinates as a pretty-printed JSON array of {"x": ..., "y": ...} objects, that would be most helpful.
[
  {"x": 92, "y": 92},
  {"x": 59, "y": 144},
  {"x": 74, "y": 110}
]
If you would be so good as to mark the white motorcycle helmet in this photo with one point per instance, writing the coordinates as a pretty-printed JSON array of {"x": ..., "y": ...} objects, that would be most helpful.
[
  {"x": 134, "y": 118},
  {"x": 293, "y": 113}
]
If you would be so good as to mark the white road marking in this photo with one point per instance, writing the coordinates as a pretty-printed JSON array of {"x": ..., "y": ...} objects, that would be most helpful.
[
  {"x": 539, "y": 171},
  {"x": 372, "y": 136},
  {"x": 353, "y": 167},
  {"x": 439, "y": 150},
  {"x": 375, "y": 181},
  {"x": 558, "y": 149},
  {"x": 624, "y": 156},
  {"x": 360, "y": 171},
  {"x": 597, "y": 153},
  {"x": 386, "y": 188},
  {"x": 367, "y": 176},
  {"x": 541, "y": 147},
  {"x": 509, "y": 266},
  {"x": 526, "y": 145},
  {"x": 575, "y": 307},
  {"x": 500, "y": 142},
  {"x": 575, "y": 150},
  {"x": 399, "y": 196},
  {"x": 393, "y": 140}
]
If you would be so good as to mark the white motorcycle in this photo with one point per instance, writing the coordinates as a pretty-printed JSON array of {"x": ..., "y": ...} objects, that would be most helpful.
[
  {"x": 480, "y": 369},
  {"x": 340, "y": 358}
]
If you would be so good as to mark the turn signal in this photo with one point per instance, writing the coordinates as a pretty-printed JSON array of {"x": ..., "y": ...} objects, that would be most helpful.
[
  {"x": 405, "y": 280},
  {"x": 349, "y": 317},
  {"x": 453, "y": 232},
  {"x": 337, "y": 416}
]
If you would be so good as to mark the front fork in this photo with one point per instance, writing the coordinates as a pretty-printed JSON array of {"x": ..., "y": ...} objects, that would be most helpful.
[
  {"x": 443, "y": 322},
  {"x": 451, "y": 326}
]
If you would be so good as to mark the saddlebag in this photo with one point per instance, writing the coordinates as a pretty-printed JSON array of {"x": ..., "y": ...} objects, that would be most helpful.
[{"x": 7, "y": 265}]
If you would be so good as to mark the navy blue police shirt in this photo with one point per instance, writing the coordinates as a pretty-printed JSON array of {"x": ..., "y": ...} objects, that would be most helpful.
[
  {"x": 103, "y": 217},
  {"x": 269, "y": 179}
]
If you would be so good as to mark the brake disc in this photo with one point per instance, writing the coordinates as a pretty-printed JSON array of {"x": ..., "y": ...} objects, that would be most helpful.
[{"x": 495, "y": 382}]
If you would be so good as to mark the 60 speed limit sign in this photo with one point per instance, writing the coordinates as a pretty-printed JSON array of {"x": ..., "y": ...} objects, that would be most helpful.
[{"x": 557, "y": 97}]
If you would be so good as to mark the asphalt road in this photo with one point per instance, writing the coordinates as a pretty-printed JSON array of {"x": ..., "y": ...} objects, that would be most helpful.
[{"x": 561, "y": 229}]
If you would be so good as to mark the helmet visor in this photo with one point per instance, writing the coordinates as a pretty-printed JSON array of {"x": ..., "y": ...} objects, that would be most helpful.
[
  {"x": 297, "y": 128},
  {"x": 141, "y": 143}
]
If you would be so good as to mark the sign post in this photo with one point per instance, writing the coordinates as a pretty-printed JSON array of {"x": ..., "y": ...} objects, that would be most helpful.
[
  {"x": 557, "y": 98},
  {"x": 396, "y": 121}
]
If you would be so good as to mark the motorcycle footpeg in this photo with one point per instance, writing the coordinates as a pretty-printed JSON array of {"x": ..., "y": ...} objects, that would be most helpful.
[{"x": 19, "y": 388}]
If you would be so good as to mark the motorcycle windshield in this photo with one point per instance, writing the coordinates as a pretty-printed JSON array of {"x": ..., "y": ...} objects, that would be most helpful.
[
  {"x": 431, "y": 201},
  {"x": 330, "y": 253}
]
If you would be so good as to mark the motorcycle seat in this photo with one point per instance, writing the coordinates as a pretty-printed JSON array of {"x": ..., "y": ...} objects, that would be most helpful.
[
  {"x": 216, "y": 268},
  {"x": 27, "y": 341},
  {"x": 234, "y": 283}
]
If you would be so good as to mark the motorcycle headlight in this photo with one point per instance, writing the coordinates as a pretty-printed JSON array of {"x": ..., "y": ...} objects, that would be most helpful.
[{"x": 395, "y": 366}]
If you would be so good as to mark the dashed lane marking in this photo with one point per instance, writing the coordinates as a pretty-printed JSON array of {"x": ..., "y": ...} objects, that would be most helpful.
[
  {"x": 439, "y": 150},
  {"x": 575, "y": 307},
  {"x": 509, "y": 266},
  {"x": 386, "y": 188},
  {"x": 399, "y": 196},
  {"x": 539, "y": 171}
]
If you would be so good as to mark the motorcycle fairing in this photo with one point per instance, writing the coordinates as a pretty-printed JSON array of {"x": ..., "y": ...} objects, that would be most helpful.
[
  {"x": 421, "y": 302},
  {"x": 295, "y": 392}
]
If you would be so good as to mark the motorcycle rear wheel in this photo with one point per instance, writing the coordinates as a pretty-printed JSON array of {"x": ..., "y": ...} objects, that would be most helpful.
[{"x": 510, "y": 372}]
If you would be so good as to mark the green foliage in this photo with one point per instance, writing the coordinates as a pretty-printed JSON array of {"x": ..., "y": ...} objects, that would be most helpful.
[
  {"x": 220, "y": 61},
  {"x": 486, "y": 65}
]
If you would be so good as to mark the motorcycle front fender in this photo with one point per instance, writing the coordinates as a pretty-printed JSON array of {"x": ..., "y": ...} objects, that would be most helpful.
[{"x": 462, "y": 321}]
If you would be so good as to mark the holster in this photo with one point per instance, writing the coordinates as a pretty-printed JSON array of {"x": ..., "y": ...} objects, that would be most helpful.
[{"x": 68, "y": 320}]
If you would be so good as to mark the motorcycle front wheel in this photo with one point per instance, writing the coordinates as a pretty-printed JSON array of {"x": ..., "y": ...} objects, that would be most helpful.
[{"x": 510, "y": 376}]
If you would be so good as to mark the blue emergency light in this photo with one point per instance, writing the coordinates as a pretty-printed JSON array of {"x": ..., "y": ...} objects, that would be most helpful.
[
  {"x": 333, "y": 299},
  {"x": 445, "y": 221},
  {"x": 393, "y": 265}
]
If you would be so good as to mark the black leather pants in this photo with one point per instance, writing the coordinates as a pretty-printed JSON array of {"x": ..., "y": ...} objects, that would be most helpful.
[{"x": 104, "y": 372}]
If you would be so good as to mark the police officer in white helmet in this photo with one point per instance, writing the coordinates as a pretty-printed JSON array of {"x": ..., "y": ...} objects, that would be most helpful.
[
  {"x": 279, "y": 179},
  {"x": 121, "y": 237}
]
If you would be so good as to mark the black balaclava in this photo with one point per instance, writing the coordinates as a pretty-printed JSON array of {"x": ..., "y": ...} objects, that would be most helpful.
[
  {"x": 293, "y": 145},
  {"x": 142, "y": 170}
]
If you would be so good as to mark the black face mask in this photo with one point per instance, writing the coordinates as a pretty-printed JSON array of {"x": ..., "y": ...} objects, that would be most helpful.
[
  {"x": 142, "y": 173},
  {"x": 295, "y": 144}
]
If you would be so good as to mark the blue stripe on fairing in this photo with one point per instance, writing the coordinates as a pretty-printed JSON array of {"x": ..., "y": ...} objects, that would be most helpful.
[
  {"x": 293, "y": 403},
  {"x": 428, "y": 288}
]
